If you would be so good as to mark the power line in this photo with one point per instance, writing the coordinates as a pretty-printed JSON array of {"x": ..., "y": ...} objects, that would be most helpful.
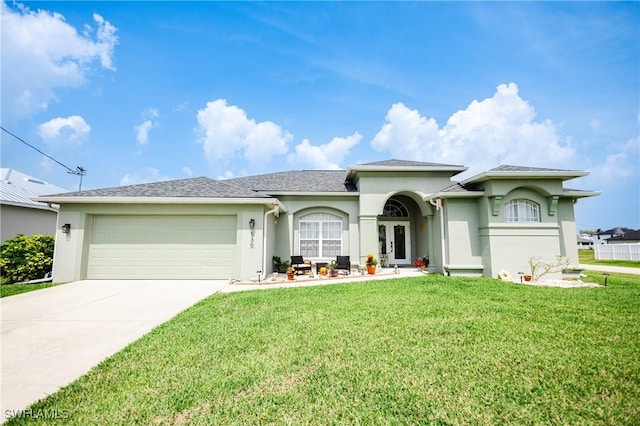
[{"x": 79, "y": 171}]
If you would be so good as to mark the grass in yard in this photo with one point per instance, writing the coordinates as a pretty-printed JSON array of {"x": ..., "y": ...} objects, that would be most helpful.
[
  {"x": 409, "y": 351},
  {"x": 11, "y": 289},
  {"x": 588, "y": 257}
]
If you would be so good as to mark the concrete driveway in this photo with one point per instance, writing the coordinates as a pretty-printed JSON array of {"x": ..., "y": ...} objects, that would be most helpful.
[{"x": 53, "y": 336}]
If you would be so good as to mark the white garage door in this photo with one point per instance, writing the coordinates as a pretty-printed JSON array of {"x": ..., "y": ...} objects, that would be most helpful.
[{"x": 162, "y": 247}]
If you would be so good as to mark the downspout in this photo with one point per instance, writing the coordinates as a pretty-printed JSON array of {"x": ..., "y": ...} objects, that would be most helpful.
[
  {"x": 276, "y": 212},
  {"x": 440, "y": 208}
]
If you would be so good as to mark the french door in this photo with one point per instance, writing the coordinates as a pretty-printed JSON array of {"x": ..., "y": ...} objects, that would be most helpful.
[{"x": 395, "y": 242}]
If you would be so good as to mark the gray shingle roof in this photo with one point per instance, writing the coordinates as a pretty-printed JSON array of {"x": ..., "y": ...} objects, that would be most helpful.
[
  {"x": 405, "y": 163},
  {"x": 200, "y": 187},
  {"x": 508, "y": 168},
  {"x": 296, "y": 181},
  {"x": 456, "y": 187},
  {"x": 632, "y": 235}
]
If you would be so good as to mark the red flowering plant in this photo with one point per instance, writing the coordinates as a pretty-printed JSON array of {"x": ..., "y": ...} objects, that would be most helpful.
[{"x": 421, "y": 262}]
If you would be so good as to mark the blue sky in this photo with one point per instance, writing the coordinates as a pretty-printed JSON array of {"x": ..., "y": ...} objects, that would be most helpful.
[{"x": 145, "y": 91}]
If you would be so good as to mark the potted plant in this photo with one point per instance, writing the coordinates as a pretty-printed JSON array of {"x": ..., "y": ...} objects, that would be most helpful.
[
  {"x": 331, "y": 267},
  {"x": 279, "y": 265},
  {"x": 372, "y": 262},
  {"x": 291, "y": 271},
  {"x": 421, "y": 263},
  {"x": 323, "y": 271}
]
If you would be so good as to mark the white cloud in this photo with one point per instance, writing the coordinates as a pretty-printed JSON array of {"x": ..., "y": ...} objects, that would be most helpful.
[
  {"x": 226, "y": 132},
  {"x": 187, "y": 171},
  {"x": 151, "y": 113},
  {"x": 51, "y": 54},
  {"x": 60, "y": 132},
  {"x": 497, "y": 130},
  {"x": 622, "y": 163},
  {"x": 142, "y": 131},
  {"x": 328, "y": 156},
  {"x": 146, "y": 175},
  {"x": 227, "y": 175}
]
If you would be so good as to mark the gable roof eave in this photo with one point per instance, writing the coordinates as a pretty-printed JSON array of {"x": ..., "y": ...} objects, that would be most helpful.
[
  {"x": 201, "y": 187},
  {"x": 34, "y": 205},
  {"x": 310, "y": 194},
  {"x": 404, "y": 166},
  {"x": 579, "y": 193},
  {"x": 457, "y": 194},
  {"x": 160, "y": 200},
  {"x": 520, "y": 172}
]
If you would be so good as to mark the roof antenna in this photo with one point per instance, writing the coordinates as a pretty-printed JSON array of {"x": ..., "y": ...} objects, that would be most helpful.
[{"x": 79, "y": 171}]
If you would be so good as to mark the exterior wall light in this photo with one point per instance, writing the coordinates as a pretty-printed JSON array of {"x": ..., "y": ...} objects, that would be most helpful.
[{"x": 66, "y": 228}]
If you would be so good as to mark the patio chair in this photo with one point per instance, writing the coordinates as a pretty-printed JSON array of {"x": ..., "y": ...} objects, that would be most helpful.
[
  {"x": 298, "y": 264},
  {"x": 343, "y": 263}
]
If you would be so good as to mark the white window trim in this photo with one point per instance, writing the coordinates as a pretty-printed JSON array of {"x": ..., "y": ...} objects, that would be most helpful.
[
  {"x": 526, "y": 211},
  {"x": 320, "y": 239}
]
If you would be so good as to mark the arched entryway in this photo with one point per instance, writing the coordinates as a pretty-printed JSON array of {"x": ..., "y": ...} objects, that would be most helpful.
[{"x": 400, "y": 228}]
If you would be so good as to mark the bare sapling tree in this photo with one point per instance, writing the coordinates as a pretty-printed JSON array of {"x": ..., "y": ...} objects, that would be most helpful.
[{"x": 540, "y": 268}]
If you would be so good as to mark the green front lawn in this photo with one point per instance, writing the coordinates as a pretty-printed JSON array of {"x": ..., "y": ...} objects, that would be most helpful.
[
  {"x": 588, "y": 257},
  {"x": 11, "y": 289},
  {"x": 429, "y": 350}
]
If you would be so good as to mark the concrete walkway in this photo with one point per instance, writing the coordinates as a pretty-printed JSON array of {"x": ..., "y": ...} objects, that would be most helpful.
[
  {"x": 614, "y": 269},
  {"x": 51, "y": 337}
]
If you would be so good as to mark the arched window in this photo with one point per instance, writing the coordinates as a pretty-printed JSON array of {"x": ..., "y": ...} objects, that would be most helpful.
[
  {"x": 320, "y": 235},
  {"x": 394, "y": 208},
  {"x": 522, "y": 210}
]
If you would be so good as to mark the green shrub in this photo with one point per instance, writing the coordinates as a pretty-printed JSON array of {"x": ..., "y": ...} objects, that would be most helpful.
[{"x": 26, "y": 258}]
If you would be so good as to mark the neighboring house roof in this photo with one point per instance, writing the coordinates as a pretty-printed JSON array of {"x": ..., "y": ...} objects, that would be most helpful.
[
  {"x": 19, "y": 189},
  {"x": 628, "y": 236},
  {"x": 617, "y": 231}
]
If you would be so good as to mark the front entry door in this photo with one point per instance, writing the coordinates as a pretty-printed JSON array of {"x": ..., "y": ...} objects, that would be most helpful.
[{"x": 395, "y": 242}]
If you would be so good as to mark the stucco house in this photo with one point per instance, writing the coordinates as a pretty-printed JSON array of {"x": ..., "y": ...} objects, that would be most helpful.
[
  {"x": 399, "y": 210},
  {"x": 19, "y": 212},
  {"x": 603, "y": 236}
]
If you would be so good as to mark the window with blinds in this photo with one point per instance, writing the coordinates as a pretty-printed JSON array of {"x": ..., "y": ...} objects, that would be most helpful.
[{"x": 320, "y": 235}]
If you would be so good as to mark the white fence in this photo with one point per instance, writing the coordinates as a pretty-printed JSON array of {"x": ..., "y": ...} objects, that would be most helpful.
[{"x": 617, "y": 251}]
